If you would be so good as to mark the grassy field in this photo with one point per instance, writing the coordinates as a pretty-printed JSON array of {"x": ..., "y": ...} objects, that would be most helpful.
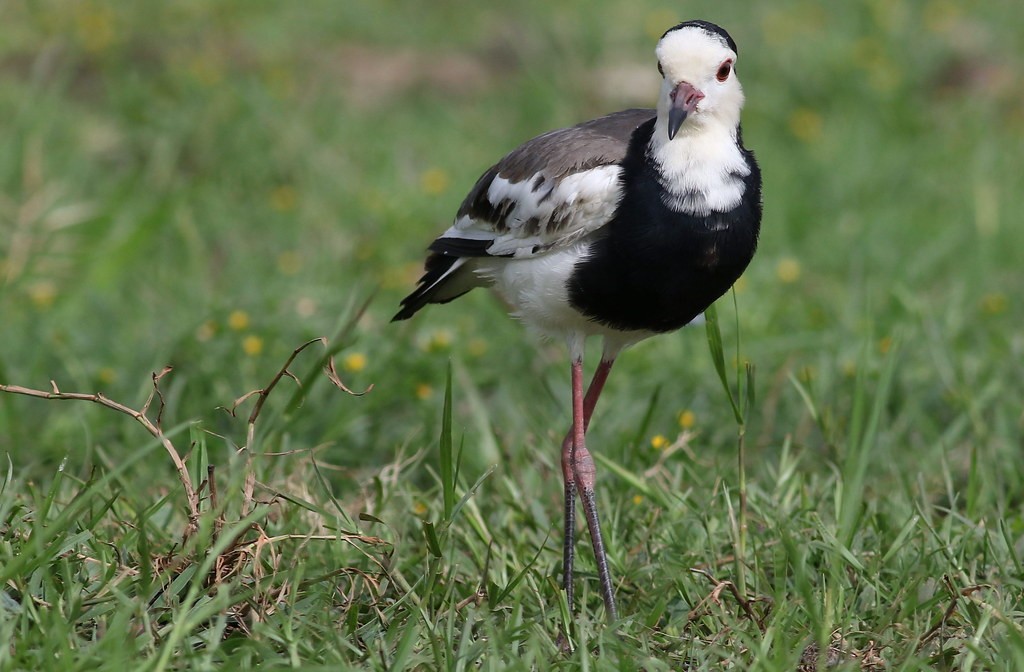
[{"x": 209, "y": 185}]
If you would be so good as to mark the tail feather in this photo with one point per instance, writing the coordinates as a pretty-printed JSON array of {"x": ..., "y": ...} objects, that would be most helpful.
[{"x": 444, "y": 278}]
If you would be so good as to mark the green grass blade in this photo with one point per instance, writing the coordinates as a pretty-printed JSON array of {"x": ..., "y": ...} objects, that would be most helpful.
[
  {"x": 518, "y": 577},
  {"x": 433, "y": 543},
  {"x": 469, "y": 493},
  {"x": 645, "y": 423},
  {"x": 861, "y": 445},
  {"x": 445, "y": 447},
  {"x": 714, "y": 337}
]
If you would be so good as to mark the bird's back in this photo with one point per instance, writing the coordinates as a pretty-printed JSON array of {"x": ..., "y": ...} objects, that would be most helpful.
[{"x": 543, "y": 196}]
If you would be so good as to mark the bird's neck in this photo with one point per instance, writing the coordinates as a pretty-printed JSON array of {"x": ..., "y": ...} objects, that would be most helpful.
[{"x": 702, "y": 168}]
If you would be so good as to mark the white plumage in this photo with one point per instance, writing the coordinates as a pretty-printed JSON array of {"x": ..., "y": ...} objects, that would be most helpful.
[{"x": 588, "y": 200}]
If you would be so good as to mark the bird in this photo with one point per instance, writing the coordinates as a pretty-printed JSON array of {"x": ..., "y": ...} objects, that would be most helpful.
[{"x": 623, "y": 227}]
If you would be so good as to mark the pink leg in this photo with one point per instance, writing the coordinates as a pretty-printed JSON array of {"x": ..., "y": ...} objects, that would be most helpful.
[{"x": 579, "y": 474}]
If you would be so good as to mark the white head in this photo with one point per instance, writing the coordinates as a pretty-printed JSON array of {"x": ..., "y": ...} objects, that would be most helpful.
[{"x": 697, "y": 60}]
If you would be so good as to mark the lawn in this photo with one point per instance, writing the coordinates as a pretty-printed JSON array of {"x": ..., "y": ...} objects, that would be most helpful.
[{"x": 208, "y": 186}]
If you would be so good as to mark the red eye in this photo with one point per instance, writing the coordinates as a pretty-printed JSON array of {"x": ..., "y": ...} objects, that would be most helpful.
[{"x": 723, "y": 71}]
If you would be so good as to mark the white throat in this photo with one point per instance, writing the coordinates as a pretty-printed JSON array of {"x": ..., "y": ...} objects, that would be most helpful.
[{"x": 702, "y": 169}]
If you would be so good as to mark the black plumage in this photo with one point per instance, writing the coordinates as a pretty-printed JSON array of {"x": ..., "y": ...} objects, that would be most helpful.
[{"x": 656, "y": 269}]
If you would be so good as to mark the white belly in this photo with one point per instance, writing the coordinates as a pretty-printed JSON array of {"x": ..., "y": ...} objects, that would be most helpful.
[{"x": 537, "y": 290}]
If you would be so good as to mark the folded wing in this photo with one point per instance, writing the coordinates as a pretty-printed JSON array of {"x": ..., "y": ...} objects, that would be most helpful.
[{"x": 544, "y": 195}]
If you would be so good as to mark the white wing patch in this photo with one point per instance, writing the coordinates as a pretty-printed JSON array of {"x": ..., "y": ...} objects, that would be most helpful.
[{"x": 541, "y": 214}]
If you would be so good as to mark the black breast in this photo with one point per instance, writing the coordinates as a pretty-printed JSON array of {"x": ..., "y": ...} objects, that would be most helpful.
[{"x": 656, "y": 269}]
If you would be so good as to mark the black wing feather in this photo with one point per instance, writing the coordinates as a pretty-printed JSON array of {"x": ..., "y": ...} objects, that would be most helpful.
[{"x": 427, "y": 288}]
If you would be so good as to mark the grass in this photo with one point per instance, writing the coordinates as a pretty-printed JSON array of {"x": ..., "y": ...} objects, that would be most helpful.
[{"x": 210, "y": 185}]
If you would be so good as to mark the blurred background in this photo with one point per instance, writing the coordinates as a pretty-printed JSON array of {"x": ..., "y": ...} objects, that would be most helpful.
[{"x": 209, "y": 184}]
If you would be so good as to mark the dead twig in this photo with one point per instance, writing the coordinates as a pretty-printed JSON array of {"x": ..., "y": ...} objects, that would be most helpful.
[
  {"x": 155, "y": 392},
  {"x": 954, "y": 597},
  {"x": 250, "y": 547},
  {"x": 330, "y": 370},
  {"x": 140, "y": 416},
  {"x": 261, "y": 397},
  {"x": 719, "y": 586}
]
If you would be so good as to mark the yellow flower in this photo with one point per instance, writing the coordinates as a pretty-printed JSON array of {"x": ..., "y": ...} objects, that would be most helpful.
[
  {"x": 43, "y": 294},
  {"x": 424, "y": 391},
  {"x": 419, "y": 508},
  {"x": 994, "y": 303},
  {"x": 687, "y": 419},
  {"x": 638, "y": 499},
  {"x": 849, "y": 369},
  {"x": 238, "y": 320},
  {"x": 788, "y": 270},
  {"x": 283, "y": 198},
  {"x": 354, "y": 361},
  {"x": 434, "y": 181},
  {"x": 289, "y": 262},
  {"x": 252, "y": 345},
  {"x": 885, "y": 344},
  {"x": 659, "y": 442},
  {"x": 106, "y": 375},
  {"x": 805, "y": 124}
]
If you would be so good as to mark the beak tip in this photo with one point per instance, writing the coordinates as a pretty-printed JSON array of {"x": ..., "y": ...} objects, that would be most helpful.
[{"x": 676, "y": 117}]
